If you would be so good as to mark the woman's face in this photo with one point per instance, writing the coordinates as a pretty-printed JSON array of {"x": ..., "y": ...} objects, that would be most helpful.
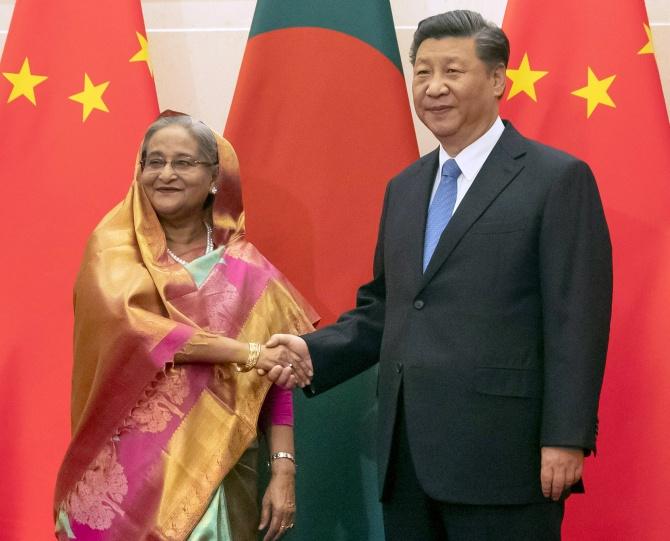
[{"x": 175, "y": 184}]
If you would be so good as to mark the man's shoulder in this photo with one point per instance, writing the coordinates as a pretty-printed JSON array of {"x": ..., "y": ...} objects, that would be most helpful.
[
  {"x": 417, "y": 167},
  {"x": 517, "y": 144}
]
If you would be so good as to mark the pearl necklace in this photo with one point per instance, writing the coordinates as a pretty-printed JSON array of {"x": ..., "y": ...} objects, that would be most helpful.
[{"x": 208, "y": 249}]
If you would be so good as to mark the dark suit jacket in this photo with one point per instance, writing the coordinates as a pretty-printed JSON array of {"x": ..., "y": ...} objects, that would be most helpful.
[{"x": 500, "y": 345}]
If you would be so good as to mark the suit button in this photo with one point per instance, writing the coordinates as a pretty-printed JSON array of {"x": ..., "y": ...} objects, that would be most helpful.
[
  {"x": 398, "y": 367},
  {"x": 418, "y": 304}
]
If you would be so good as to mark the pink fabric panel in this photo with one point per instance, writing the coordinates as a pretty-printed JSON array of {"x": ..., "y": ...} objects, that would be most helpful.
[
  {"x": 277, "y": 408},
  {"x": 165, "y": 350}
]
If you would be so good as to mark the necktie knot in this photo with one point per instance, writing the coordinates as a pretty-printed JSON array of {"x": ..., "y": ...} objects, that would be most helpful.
[{"x": 450, "y": 169}]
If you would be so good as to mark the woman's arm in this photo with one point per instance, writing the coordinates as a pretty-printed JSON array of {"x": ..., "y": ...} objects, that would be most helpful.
[
  {"x": 278, "y": 510},
  {"x": 206, "y": 347}
]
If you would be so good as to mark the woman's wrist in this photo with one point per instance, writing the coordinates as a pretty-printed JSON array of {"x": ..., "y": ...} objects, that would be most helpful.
[
  {"x": 241, "y": 353},
  {"x": 253, "y": 354},
  {"x": 282, "y": 462},
  {"x": 283, "y": 468}
]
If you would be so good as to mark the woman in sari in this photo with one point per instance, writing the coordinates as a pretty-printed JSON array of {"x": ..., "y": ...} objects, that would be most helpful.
[{"x": 172, "y": 305}]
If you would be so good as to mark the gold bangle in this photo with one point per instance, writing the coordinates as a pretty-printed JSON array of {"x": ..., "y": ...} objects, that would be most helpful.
[{"x": 252, "y": 359}]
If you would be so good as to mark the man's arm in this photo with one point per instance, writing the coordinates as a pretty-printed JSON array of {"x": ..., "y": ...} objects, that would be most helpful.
[{"x": 576, "y": 283}]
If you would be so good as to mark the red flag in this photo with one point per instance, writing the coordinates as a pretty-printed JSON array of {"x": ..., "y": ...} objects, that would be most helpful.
[
  {"x": 583, "y": 77},
  {"x": 76, "y": 93}
]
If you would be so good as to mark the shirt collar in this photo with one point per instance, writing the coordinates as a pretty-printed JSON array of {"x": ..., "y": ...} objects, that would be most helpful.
[{"x": 471, "y": 159}]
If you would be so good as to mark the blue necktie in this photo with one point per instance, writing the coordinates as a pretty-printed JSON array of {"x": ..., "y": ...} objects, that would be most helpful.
[{"x": 441, "y": 209}]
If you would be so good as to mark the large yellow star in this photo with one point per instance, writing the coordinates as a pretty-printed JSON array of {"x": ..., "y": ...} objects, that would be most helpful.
[
  {"x": 524, "y": 79},
  {"x": 649, "y": 46},
  {"x": 595, "y": 92},
  {"x": 143, "y": 54},
  {"x": 91, "y": 97},
  {"x": 24, "y": 83}
]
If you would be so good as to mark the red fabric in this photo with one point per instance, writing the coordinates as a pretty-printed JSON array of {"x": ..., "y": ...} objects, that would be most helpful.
[
  {"x": 316, "y": 154},
  {"x": 60, "y": 175},
  {"x": 627, "y": 147}
]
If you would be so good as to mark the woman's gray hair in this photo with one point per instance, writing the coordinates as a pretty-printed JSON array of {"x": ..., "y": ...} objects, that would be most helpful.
[{"x": 203, "y": 135}]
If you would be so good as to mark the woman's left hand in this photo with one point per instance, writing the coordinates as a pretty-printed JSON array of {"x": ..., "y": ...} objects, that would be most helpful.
[{"x": 278, "y": 510}]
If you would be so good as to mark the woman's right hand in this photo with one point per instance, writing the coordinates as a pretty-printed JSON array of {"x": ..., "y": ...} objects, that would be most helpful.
[{"x": 278, "y": 356}]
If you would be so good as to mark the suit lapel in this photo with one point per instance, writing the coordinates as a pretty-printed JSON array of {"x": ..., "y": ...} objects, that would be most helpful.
[
  {"x": 418, "y": 198},
  {"x": 498, "y": 171}
]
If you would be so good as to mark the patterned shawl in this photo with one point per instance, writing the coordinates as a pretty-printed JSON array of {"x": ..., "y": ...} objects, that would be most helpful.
[{"x": 150, "y": 444}]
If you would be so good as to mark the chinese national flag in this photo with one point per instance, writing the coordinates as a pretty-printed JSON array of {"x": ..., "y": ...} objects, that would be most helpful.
[
  {"x": 76, "y": 93},
  {"x": 320, "y": 121},
  {"x": 583, "y": 78}
]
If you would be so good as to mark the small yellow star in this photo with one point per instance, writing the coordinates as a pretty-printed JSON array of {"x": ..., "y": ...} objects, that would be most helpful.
[
  {"x": 595, "y": 92},
  {"x": 143, "y": 54},
  {"x": 524, "y": 79},
  {"x": 24, "y": 83},
  {"x": 649, "y": 46},
  {"x": 91, "y": 97}
]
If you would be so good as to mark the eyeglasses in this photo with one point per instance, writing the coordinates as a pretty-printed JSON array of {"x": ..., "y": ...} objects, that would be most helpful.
[{"x": 178, "y": 165}]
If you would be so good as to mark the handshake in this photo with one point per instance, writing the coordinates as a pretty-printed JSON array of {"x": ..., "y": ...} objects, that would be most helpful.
[{"x": 285, "y": 360}]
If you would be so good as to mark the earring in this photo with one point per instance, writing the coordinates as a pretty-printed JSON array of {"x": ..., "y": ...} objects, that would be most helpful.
[{"x": 213, "y": 190}]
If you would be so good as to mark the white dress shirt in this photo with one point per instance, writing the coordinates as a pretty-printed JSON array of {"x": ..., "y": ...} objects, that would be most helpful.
[{"x": 470, "y": 160}]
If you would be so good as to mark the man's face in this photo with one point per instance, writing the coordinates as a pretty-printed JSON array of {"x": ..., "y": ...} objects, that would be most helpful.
[{"x": 455, "y": 93}]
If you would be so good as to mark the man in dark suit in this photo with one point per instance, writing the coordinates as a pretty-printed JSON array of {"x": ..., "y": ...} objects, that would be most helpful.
[{"x": 488, "y": 311}]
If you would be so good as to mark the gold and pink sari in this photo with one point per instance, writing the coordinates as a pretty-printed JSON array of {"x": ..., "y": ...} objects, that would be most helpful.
[{"x": 159, "y": 449}]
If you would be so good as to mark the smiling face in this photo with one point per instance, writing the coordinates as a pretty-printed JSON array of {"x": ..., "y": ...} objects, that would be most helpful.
[
  {"x": 455, "y": 93},
  {"x": 176, "y": 195}
]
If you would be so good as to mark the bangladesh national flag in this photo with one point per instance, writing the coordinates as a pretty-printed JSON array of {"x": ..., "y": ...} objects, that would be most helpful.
[{"x": 321, "y": 121}]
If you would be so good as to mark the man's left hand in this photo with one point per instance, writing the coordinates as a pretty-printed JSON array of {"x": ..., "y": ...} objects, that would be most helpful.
[{"x": 561, "y": 468}]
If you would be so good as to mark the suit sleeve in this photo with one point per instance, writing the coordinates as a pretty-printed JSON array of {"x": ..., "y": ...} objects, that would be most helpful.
[
  {"x": 576, "y": 285},
  {"x": 351, "y": 345}
]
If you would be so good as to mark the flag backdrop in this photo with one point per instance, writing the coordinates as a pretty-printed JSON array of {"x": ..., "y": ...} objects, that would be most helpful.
[
  {"x": 583, "y": 77},
  {"x": 320, "y": 120},
  {"x": 76, "y": 94}
]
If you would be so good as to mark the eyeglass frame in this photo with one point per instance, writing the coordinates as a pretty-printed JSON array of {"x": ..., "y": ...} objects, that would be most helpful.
[{"x": 171, "y": 162}]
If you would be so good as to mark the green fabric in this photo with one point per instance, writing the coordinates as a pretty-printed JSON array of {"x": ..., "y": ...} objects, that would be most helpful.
[
  {"x": 370, "y": 21},
  {"x": 63, "y": 524},
  {"x": 336, "y": 486},
  {"x": 201, "y": 267},
  {"x": 214, "y": 524}
]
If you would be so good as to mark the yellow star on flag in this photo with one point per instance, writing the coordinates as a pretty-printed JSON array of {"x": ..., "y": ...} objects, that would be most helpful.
[
  {"x": 143, "y": 54},
  {"x": 24, "y": 83},
  {"x": 524, "y": 79},
  {"x": 91, "y": 97},
  {"x": 649, "y": 46},
  {"x": 595, "y": 92}
]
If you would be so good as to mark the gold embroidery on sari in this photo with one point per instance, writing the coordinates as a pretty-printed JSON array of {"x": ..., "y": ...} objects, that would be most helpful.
[
  {"x": 160, "y": 402},
  {"x": 202, "y": 450},
  {"x": 96, "y": 499}
]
